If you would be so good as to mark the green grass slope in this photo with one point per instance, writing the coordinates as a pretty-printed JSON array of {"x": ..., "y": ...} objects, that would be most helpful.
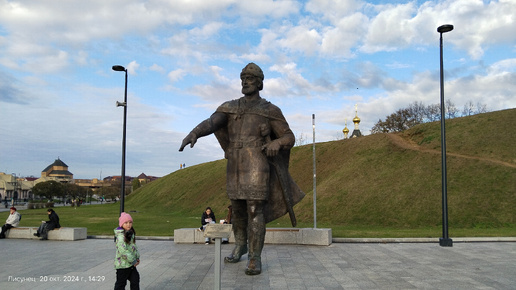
[{"x": 377, "y": 181}]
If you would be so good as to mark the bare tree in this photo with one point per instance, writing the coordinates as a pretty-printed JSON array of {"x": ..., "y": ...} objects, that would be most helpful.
[
  {"x": 451, "y": 110},
  {"x": 300, "y": 140},
  {"x": 432, "y": 112},
  {"x": 481, "y": 108},
  {"x": 401, "y": 120},
  {"x": 416, "y": 113},
  {"x": 379, "y": 127},
  {"x": 469, "y": 108}
]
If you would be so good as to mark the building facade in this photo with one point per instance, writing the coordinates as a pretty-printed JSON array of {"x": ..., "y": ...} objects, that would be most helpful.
[
  {"x": 18, "y": 188},
  {"x": 14, "y": 187}
]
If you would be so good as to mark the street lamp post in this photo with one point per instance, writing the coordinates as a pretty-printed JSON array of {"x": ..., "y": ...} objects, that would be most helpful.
[
  {"x": 15, "y": 193},
  {"x": 445, "y": 241},
  {"x": 124, "y": 104},
  {"x": 315, "y": 174}
]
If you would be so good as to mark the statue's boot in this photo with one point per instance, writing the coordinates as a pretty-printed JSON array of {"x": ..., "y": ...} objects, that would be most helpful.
[
  {"x": 237, "y": 253},
  {"x": 239, "y": 222},
  {"x": 256, "y": 239},
  {"x": 254, "y": 266}
]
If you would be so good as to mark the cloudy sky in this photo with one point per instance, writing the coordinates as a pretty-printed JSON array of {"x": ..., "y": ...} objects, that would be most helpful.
[{"x": 58, "y": 91}]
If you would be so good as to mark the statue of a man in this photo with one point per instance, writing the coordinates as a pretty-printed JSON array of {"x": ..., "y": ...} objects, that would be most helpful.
[{"x": 256, "y": 140}]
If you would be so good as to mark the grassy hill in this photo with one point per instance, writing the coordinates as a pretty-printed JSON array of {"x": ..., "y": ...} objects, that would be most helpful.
[{"x": 377, "y": 181}]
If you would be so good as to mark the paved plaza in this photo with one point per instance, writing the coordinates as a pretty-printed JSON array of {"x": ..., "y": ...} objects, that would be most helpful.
[{"x": 88, "y": 264}]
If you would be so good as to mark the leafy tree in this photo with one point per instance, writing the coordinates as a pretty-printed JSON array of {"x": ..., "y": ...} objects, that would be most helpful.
[
  {"x": 136, "y": 183},
  {"x": 111, "y": 192},
  {"x": 48, "y": 189},
  {"x": 74, "y": 190}
]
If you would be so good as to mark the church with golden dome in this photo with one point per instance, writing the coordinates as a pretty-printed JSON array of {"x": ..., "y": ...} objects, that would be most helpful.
[{"x": 356, "y": 131}]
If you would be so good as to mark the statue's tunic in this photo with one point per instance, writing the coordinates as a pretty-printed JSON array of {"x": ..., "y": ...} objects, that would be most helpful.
[{"x": 250, "y": 125}]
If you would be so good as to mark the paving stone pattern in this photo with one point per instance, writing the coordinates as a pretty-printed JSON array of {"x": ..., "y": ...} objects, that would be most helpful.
[{"x": 34, "y": 264}]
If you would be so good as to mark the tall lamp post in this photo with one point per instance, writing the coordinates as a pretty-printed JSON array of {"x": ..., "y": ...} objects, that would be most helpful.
[
  {"x": 15, "y": 193},
  {"x": 445, "y": 241},
  {"x": 124, "y": 104},
  {"x": 315, "y": 174}
]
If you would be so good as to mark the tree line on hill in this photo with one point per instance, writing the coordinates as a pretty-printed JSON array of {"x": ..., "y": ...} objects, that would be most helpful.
[
  {"x": 53, "y": 189},
  {"x": 417, "y": 113}
]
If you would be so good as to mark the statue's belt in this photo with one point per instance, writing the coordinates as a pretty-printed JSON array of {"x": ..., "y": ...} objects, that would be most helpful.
[{"x": 246, "y": 144}]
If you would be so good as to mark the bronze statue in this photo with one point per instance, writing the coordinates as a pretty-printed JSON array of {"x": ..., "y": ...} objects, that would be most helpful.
[{"x": 256, "y": 140}]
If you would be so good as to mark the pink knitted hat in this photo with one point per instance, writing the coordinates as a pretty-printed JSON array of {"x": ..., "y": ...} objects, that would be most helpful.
[{"x": 124, "y": 217}]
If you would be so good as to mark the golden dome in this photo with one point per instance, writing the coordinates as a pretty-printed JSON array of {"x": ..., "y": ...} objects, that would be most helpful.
[
  {"x": 345, "y": 130},
  {"x": 356, "y": 119}
]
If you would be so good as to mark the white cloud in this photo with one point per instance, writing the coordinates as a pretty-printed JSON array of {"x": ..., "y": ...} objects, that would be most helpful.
[
  {"x": 333, "y": 10},
  {"x": 176, "y": 75},
  {"x": 157, "y": 68},
  {"x": 269, "y": 8},
  {"x": 391, "y": 29},
  {"x": 319, "y": 56},
  {"x": 341, "y": 39},
  {"x": 132, "y": 67},
  {"x": 503, "y": 66},
  {"x": 300, "y": 39}
]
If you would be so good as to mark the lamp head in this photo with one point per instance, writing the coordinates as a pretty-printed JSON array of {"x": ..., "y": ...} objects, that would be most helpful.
[
  {"x": 445, "y": 28},
  {"x": 118, "y": 68}
]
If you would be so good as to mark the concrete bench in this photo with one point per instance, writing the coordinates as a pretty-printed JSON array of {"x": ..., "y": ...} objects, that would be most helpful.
[
  {"x": 288, "y": 236},
  {"x": 59, "y": 234}
]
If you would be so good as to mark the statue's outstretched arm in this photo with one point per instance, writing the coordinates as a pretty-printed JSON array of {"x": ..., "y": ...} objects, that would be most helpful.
[{"x": 206, "y": 127}]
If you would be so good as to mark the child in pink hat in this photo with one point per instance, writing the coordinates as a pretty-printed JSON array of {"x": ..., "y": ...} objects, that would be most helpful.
[{"x": 127, "y": 255}]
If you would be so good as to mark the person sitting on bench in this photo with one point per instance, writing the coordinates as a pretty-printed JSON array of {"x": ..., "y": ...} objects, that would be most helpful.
[
  {"x": 12, "y": 221},
  {"x": 53, "y": 223}
]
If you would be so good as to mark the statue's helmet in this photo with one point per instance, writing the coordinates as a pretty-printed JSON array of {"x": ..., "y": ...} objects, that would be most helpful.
[{"x": 253, "y": 70}]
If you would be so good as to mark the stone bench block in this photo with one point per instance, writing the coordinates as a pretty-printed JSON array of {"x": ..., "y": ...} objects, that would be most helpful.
[
  {"x": 295, "y": 236},
  {"x": 319, "y": 237},
  {"x": 192, "y": 236},
  {"x": 60, "y": 234},
  {"x": 282, "y": 236}
]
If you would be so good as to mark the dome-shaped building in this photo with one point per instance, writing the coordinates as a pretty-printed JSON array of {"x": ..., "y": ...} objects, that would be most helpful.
[{"x": 57, "y": 171}]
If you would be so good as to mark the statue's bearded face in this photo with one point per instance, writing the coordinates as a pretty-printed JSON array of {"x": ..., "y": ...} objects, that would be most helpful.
[{"x": 250, "y": 84}]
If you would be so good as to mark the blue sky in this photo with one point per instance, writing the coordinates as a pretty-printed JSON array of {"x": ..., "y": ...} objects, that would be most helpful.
[{"x": 58, "y": 92}]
